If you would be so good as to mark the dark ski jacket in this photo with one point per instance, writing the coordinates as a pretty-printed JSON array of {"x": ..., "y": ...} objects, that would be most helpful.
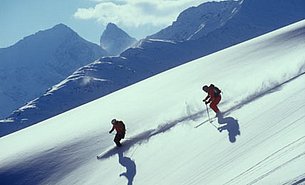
[{"x": 119, "y": 127}]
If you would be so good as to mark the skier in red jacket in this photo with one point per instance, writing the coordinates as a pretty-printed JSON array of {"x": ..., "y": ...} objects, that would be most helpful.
[
  {"x": 119, "y": 127},
  {"x": 213, "y": 97}
]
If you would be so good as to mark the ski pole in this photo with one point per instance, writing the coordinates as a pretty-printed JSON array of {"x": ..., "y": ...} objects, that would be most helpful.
[{"x": 208, "y": 112}]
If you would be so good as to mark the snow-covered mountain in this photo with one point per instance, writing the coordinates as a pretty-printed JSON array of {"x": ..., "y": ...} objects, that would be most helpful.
[
  {"x": 152, "y": 56},
  {"x": 256, "y": 17},
  {"x": 247, "y": 19},
  {"x": 262, "y": 81},
  {"x": 32, "y": 65},
  {"x": 196, "y": 22},
  {"x": 115, "y": 40}
]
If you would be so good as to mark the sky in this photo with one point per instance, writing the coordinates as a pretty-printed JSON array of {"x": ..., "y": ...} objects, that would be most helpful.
[{"x": 139, "y": 18}]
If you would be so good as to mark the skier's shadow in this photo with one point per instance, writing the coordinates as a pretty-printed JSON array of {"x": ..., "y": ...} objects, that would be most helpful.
[
  {"x": 130, "y": 167},
  {"x": 231, "y": 125}
]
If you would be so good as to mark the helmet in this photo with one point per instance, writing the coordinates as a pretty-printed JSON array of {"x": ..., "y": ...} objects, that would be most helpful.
[
  {"x": 113, "y": 121},
  {"x": 205, "y": 88}
]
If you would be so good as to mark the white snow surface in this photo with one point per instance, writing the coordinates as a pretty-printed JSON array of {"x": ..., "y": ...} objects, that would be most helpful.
[
  {"x": 152, "y": 56},
  {"x": 263, "y": 141}
]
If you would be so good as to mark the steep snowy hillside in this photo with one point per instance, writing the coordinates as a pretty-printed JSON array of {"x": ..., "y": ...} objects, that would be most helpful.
[
  {"x": 152, "y": 56},
  {"x": 31, "y": 66},
  {"x": 262, "y": 142},
  {"x": 115, "y": 40},
  {"x": 196, "y": 22}
]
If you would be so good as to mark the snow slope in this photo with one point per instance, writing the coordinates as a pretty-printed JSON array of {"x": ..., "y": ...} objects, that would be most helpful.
[
  {"x": 152, "y": 56},
  {"x": 263, "y": 141}
]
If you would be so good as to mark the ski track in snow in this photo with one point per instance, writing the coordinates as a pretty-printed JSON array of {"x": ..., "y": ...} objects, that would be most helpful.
[
  {"x": 266, "y": 161},
  {"x": 262, "y": 92},
  {"x": 144, "y": 137},
  {"x": 62, "y": 163},
  {"x": 297, "y": 144},
  {"x": 300, "y": 180}
]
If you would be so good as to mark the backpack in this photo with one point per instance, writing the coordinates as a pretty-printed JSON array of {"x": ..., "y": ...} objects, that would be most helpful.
[
  {"x": 217, "y": 91},
  {"x": 123, "y": 125}
]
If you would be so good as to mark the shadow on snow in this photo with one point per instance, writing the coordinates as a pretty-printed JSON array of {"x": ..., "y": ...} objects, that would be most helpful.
[
  {"x": 129, "y": 165},
  {"x": 146, "y": 135},
  {"x": 228, "y": 123},
  {"x": 231, "y": 125}
]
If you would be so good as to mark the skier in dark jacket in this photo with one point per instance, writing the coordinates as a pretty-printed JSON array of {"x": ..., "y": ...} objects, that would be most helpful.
[
  {"x": 119, "y": 127},
  {"x": 213, "y": 97}
]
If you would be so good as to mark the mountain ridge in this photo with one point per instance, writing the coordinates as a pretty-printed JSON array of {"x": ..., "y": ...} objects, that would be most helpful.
[
  {"x": 262, "y": 141},
  {"x": 152, "y": 56},
  {"x": 32, "y": 65},
  {"x": 196, "y": 22},
  {"x": 115, "y": 40}
]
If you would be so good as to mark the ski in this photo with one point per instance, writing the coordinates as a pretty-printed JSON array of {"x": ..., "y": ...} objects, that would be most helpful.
[
  {"x": 214, "y": 125},
  {"x": 217, "y": 126},
  {"x": 206, "y": 121},
  {"x": 109, "y": 152}
]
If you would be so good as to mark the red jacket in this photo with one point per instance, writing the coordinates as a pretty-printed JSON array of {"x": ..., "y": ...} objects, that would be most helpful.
[{"x": 211, "y": 94}]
